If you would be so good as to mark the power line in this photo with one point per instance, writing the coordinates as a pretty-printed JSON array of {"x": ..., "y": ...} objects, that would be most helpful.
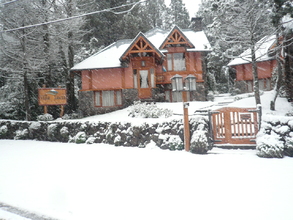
[
  {"x": 6, "y": 3},
  {"x": 78, "y": 16}
]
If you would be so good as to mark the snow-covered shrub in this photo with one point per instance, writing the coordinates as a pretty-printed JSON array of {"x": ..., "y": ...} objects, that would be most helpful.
[
  {"x": 288, "y": 149},
  {"x": 117, "y": 140},
  {"x": 211, "y": 96},
  {"x": 70, "y": 116},
  {"x": 21, "y": 134},
  {"x": 90, "y": 140},
  {"x": 79, "y": 138},
  {"x": 3, "y": 130},
  {"x": 148, "y": 110},
  {"x": 34, "y": 126},
  {"x": 52, "y": 132},
  {"x": 199, "y": 140},
  {"x": 45, "y": 117},
  {"x": 171, "y": 142},
  {"x": 269, "y": 146},
  {"x": 64, "y": 132}
]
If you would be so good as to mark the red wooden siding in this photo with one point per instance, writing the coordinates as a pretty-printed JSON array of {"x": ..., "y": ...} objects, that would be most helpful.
[{"x": 265, "y": 69}]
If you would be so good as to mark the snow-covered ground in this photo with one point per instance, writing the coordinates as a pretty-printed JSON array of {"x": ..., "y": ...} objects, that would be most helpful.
[
  {"x": 69, "y": 181},
  {"x": 74, "y": 182},
  {"x": 245, "y": 100}
]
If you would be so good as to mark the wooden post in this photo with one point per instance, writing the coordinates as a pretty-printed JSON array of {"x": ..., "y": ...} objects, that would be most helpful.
[
  {"x": 186, "y": 122},
  {"x": 45, "y": 109},
  {"x": 61, "y": 110}
]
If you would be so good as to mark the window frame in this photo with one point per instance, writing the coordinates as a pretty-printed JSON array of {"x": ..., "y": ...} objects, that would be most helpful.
[
  {"x": 98, "y": 95},
  {"x": 172, "y": 61}
]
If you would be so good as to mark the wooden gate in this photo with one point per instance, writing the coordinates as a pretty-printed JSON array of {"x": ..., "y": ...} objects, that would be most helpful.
[{"x": 235, "y": 126}]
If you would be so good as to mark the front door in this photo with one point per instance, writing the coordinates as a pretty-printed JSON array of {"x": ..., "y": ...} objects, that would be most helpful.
[{"x": 144, "y": 85}]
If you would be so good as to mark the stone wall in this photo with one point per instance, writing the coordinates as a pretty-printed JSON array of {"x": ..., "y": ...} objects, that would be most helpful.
[{"x": 119, "y": 134}]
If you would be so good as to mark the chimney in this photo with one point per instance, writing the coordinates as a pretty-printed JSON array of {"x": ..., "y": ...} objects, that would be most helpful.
[{"x": 196, "y": 24}]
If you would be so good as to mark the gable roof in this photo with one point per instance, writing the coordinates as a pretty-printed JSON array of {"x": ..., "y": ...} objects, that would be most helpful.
[
  {"x": 141, "y": 44},
  {"x": 110, "y": 56},
  {"x": 176, "y": 36},
  {"x": 263, "y": 49}
]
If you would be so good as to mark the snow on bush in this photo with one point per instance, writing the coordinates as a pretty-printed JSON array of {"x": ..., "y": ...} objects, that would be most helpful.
[
  {"x": 79, "y": 138},
  {"x": 148, "y": 110},
  {"x": 199, "y": 140},
  {"x": 171, "y": 142},
  {"x": 64, "y": 132},
  {"x": 21, "y": 134},
  {"x": 90, "y": 140},
  {"x": 3, "y": 130},
  {"x": 288, "y": 150},
  {"x": 269, "y": 146},
  {"x": 45, "y": 117},
  {"x": 35, "y": 126}
]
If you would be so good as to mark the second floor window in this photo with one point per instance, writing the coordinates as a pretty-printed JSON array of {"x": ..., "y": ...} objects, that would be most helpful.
[{"x": 176, "y": 62}]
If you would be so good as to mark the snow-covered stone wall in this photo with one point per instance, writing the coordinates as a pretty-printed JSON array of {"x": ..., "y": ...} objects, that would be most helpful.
[{"x": 167, "y": 135}]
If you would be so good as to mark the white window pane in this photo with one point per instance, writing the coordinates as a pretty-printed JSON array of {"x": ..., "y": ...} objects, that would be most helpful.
[
  {"x": 118, "y": 97},
  {"x": 144, "y": 79},
  {"x": 98, "y": 98},
  {"x": 135, "y": 79},
  {"x": 169, "y": 62},
  {"x": 108, "y": 98},
  {"x": 152, "y": 70},
  {"x": 179, "y": 62}
]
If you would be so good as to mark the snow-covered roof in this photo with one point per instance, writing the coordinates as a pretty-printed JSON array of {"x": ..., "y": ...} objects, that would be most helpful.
[
  {"x": 109, "y": 57},
  {"x": 262, "y": 48}
]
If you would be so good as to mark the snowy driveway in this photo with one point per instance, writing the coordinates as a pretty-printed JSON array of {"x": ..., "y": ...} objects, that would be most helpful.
[{"x": 69, "y": 181}]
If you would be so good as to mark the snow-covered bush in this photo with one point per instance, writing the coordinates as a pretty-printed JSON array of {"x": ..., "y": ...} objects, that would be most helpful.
[
  {"x": 79, "y": 138},
  {"x": 70, "y": 116},
  {"x": 64, "y": 132},
  {"x": 288, "y": 149},
  {"x": 148, "y": 110},
  {"x": 3, "y": 130},
  {"x": 34, "y": 126},
  {"x": 45, "y": 117},
  {"x": 21, "y": 134},
  {"x": 90, "y": 140},
  {"x": 52, "y": 132},
  {"x": 199, "y": 140},
  {"x": 269, "y": 146},
  {"x": 171, "y": 142}
]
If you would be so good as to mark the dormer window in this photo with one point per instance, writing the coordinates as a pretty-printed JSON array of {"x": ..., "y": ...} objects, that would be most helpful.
[{"x": 176, "y": 62}]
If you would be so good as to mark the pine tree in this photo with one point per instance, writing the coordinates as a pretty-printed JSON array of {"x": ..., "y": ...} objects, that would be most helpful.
[{"x": 178, "y": 15}]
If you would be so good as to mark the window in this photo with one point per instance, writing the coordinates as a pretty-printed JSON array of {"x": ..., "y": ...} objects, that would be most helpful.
[
  {"x": 108, "y": 98},
  {"x": 135, "y": 78},
  {"x": 176, "y": 62},
  {"x": 152, "y": 70}
]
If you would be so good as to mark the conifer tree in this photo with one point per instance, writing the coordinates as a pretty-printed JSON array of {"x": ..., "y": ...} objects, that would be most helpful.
[{"x": 178, "y": 15}]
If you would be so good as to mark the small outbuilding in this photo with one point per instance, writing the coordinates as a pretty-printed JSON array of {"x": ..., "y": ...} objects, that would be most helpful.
[
  {"x": 141, "y": 69},
  {"x": 266, "y": 64}
]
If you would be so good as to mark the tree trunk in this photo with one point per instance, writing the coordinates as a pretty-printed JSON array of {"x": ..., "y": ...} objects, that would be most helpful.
[
  {"x": 255, "y": 75},
  {"x": 72, "y": 106},
  {"x": 26, "y": 97},
  {"x": 279, "y": 79}
]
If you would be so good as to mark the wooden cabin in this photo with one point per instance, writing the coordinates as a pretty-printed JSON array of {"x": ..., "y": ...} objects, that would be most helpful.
[
  {"x": 266, "y": 64},
  {"x": 141, "y": 69}
]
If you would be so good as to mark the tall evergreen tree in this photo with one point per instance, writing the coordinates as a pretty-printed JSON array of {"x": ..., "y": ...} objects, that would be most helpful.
[{"x": 178, "y": 14}]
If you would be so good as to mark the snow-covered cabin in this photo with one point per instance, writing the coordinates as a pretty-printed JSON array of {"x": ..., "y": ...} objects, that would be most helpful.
[
  {"x": 266, "y": 63},
  {"x": 141, "y": 69}
]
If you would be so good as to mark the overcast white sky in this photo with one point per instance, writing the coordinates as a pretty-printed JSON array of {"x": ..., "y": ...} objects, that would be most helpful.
[{"x": 191, "y": 5}]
